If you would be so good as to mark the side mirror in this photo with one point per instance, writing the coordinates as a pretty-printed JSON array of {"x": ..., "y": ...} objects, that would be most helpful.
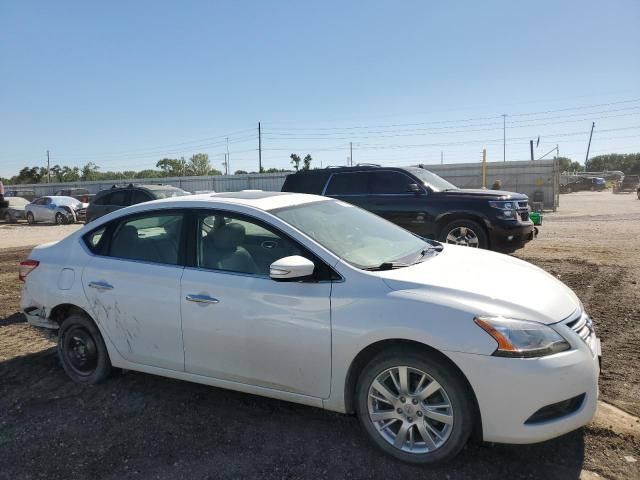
[
  {"x": 415, "y": 188},
  {"x": 294, "y": 267}
]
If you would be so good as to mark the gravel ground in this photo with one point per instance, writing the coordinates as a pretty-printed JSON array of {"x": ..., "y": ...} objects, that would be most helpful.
[{"x": 141, "y": 426}]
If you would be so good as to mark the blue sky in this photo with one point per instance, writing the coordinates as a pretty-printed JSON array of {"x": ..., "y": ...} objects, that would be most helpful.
[{"x": 124, "y": 84}]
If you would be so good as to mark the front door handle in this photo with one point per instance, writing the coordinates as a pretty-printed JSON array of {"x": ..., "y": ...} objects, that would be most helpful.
[
  {"x": 101, "y": 285},
  {"x": 202, "y": 299}
]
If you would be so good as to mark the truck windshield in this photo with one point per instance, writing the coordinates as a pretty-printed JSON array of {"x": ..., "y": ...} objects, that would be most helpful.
[
  {"x": 437, "y": 184},
  {"x": 358, "y": 237}
]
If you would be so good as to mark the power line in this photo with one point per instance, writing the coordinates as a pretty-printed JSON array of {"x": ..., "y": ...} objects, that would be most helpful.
[{"x": 458, "y": 120}]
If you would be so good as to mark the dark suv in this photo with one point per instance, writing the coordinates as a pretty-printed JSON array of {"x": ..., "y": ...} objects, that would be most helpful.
[
  {"x": 120, "y": 196},
  {"x": 426, "y": 204}
]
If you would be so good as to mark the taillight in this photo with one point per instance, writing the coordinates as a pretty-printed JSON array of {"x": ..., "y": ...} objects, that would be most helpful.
[{"x": 26, "y": 267}]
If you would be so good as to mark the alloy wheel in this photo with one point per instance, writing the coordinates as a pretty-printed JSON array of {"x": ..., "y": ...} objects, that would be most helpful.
[
  {"x": 463, "y": 236},
  {"x": 60, "y": 219},
  {"x": 410, "y": 410},
  {"x": 30, "y": 218}
]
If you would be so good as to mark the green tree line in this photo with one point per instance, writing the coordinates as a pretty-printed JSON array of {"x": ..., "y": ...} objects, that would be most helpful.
[{"x": 197, "y": 165}]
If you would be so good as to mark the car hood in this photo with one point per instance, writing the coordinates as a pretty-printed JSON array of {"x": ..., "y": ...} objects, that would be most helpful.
[
  {"x": 486, "y": 283},
  {"x": 482, "y": 193}
]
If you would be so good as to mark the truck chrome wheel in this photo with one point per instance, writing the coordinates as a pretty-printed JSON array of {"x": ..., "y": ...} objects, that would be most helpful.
[
  {"x": 463, "y": 236},
  {"x": 410, "y": 410}
]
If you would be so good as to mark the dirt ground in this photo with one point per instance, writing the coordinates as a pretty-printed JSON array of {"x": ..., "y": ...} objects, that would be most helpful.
[{"x": 141, "y": 426}]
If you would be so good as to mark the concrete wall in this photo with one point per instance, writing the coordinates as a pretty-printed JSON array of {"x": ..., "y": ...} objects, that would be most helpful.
[
  {"x": 219, "y": 183},
  {"x": 522, "y": 177}
]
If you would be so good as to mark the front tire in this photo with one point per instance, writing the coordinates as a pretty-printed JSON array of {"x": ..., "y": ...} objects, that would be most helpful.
[
  {"x": 8, "y": 218},
  {"x": 464, "y": 232},
  {"x": 414, "y": 407},
  {"x": 82, "y": 351},
  {"x": 60, "y": 219},
  {"x": 30, "y": 218}
]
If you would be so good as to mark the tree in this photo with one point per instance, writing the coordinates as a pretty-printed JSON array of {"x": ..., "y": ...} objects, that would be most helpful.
[
  {"x": 629, "y": 163},
  {"x": 199, "y": 164},
  {"x": 295, "y": 161},
  {"x": 172, "y": 167},
  {"x": 90, "y": 172},
  {"x": 214, "y": 171},
  {"x": 307, "y": 162},
  {"x": 70, "y": 174},
  {"x": 240, "y": 172}
]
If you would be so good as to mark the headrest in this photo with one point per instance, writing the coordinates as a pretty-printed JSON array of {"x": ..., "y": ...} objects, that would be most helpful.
[
  {"x": 128, "y": 234},
  {"x": 228, "y": 236}
]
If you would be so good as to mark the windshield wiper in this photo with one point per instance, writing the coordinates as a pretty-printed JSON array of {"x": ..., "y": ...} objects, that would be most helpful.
[{"x": 386, "y": 266}]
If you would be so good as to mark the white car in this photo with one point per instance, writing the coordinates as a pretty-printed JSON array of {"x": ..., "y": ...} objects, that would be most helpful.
[
  {"x": 55, "y": 208},
  {"x": 315, "y": 301}
]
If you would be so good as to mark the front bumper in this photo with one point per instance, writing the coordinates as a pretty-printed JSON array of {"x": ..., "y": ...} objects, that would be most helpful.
[
  {"x": 509, "y": 236},
  {"x": 509, "y": 391}
]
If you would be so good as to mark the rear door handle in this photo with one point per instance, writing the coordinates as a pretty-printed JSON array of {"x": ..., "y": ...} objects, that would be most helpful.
[
  {"x": 202, "y": 299},
  {"x": 101, "y": 285}
]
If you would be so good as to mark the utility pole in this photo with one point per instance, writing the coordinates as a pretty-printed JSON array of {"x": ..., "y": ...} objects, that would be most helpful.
[
  {"x": 226, "y": 165},
  {"x": 48, "y": 169},
  {"x": 441, "y": 157},
  {"x": 589, "y": 146},
  {"x": 504, "y": 137},
  {"x": 484, "y": 168},
  {"x": 531, "y": 148},
  {"x": 351, "y": 152},
  {"x": 259, "y": 149},
  {"x": 228, "y": 157}
]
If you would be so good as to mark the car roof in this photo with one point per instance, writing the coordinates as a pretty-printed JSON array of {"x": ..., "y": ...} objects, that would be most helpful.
[
  {"x": 261, "y": 200},
  {"x": 355, "y": 168}
]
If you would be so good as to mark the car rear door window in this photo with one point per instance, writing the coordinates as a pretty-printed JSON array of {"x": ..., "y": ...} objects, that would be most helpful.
[
  {"x": 149, "y": 238},
  {"x": 349, "y": 183},
  {"x": 390, "y": 183}
]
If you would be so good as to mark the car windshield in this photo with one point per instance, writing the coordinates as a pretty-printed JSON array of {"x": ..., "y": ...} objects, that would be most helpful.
[
  {"x": 355, "y": 235},
  {"x": 173, "y": 192},
  {"x": 437, "y": 184},
  {"x": 17, "y": 201}
]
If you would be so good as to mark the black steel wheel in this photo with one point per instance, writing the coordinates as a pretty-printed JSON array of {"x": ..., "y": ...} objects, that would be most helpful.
[{"x": 82, "y": 351}]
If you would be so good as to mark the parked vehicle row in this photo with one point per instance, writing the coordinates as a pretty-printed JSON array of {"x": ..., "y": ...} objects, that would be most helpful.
[
  {"x": 426, "y": 204},
  {"x": 72, "y": 205},
  {"x": 316, "y": 301}
]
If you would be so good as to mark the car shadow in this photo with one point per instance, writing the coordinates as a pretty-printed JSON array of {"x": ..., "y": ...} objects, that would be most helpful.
[{"x": 138, "y": 425}]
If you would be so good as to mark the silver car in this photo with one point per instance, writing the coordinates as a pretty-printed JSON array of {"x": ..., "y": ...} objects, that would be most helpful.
[{"x": 58, "y": 209}]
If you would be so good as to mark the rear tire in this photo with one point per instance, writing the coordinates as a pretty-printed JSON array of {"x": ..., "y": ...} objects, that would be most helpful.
[
  {"x": 30, "y": 218},
  {"x": 82, "y": 351},
  {"x": 8, "y": 218},
  {"x": 464, "y": 232},
  {"x": 413, "y": 418}
]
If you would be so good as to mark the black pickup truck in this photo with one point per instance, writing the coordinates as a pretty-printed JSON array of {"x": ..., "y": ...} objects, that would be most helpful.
[{"x": 426, "y": 204}]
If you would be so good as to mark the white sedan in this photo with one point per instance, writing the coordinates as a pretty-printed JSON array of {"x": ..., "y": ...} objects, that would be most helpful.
[
  {"x": 315, "y": 301},
  {"x": 55, "y": 208}
]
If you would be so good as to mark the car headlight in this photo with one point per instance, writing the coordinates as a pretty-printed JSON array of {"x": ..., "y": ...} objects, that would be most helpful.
[
  {"x": 522, "y": 338},
  {"x": 508, "y": 209}
]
